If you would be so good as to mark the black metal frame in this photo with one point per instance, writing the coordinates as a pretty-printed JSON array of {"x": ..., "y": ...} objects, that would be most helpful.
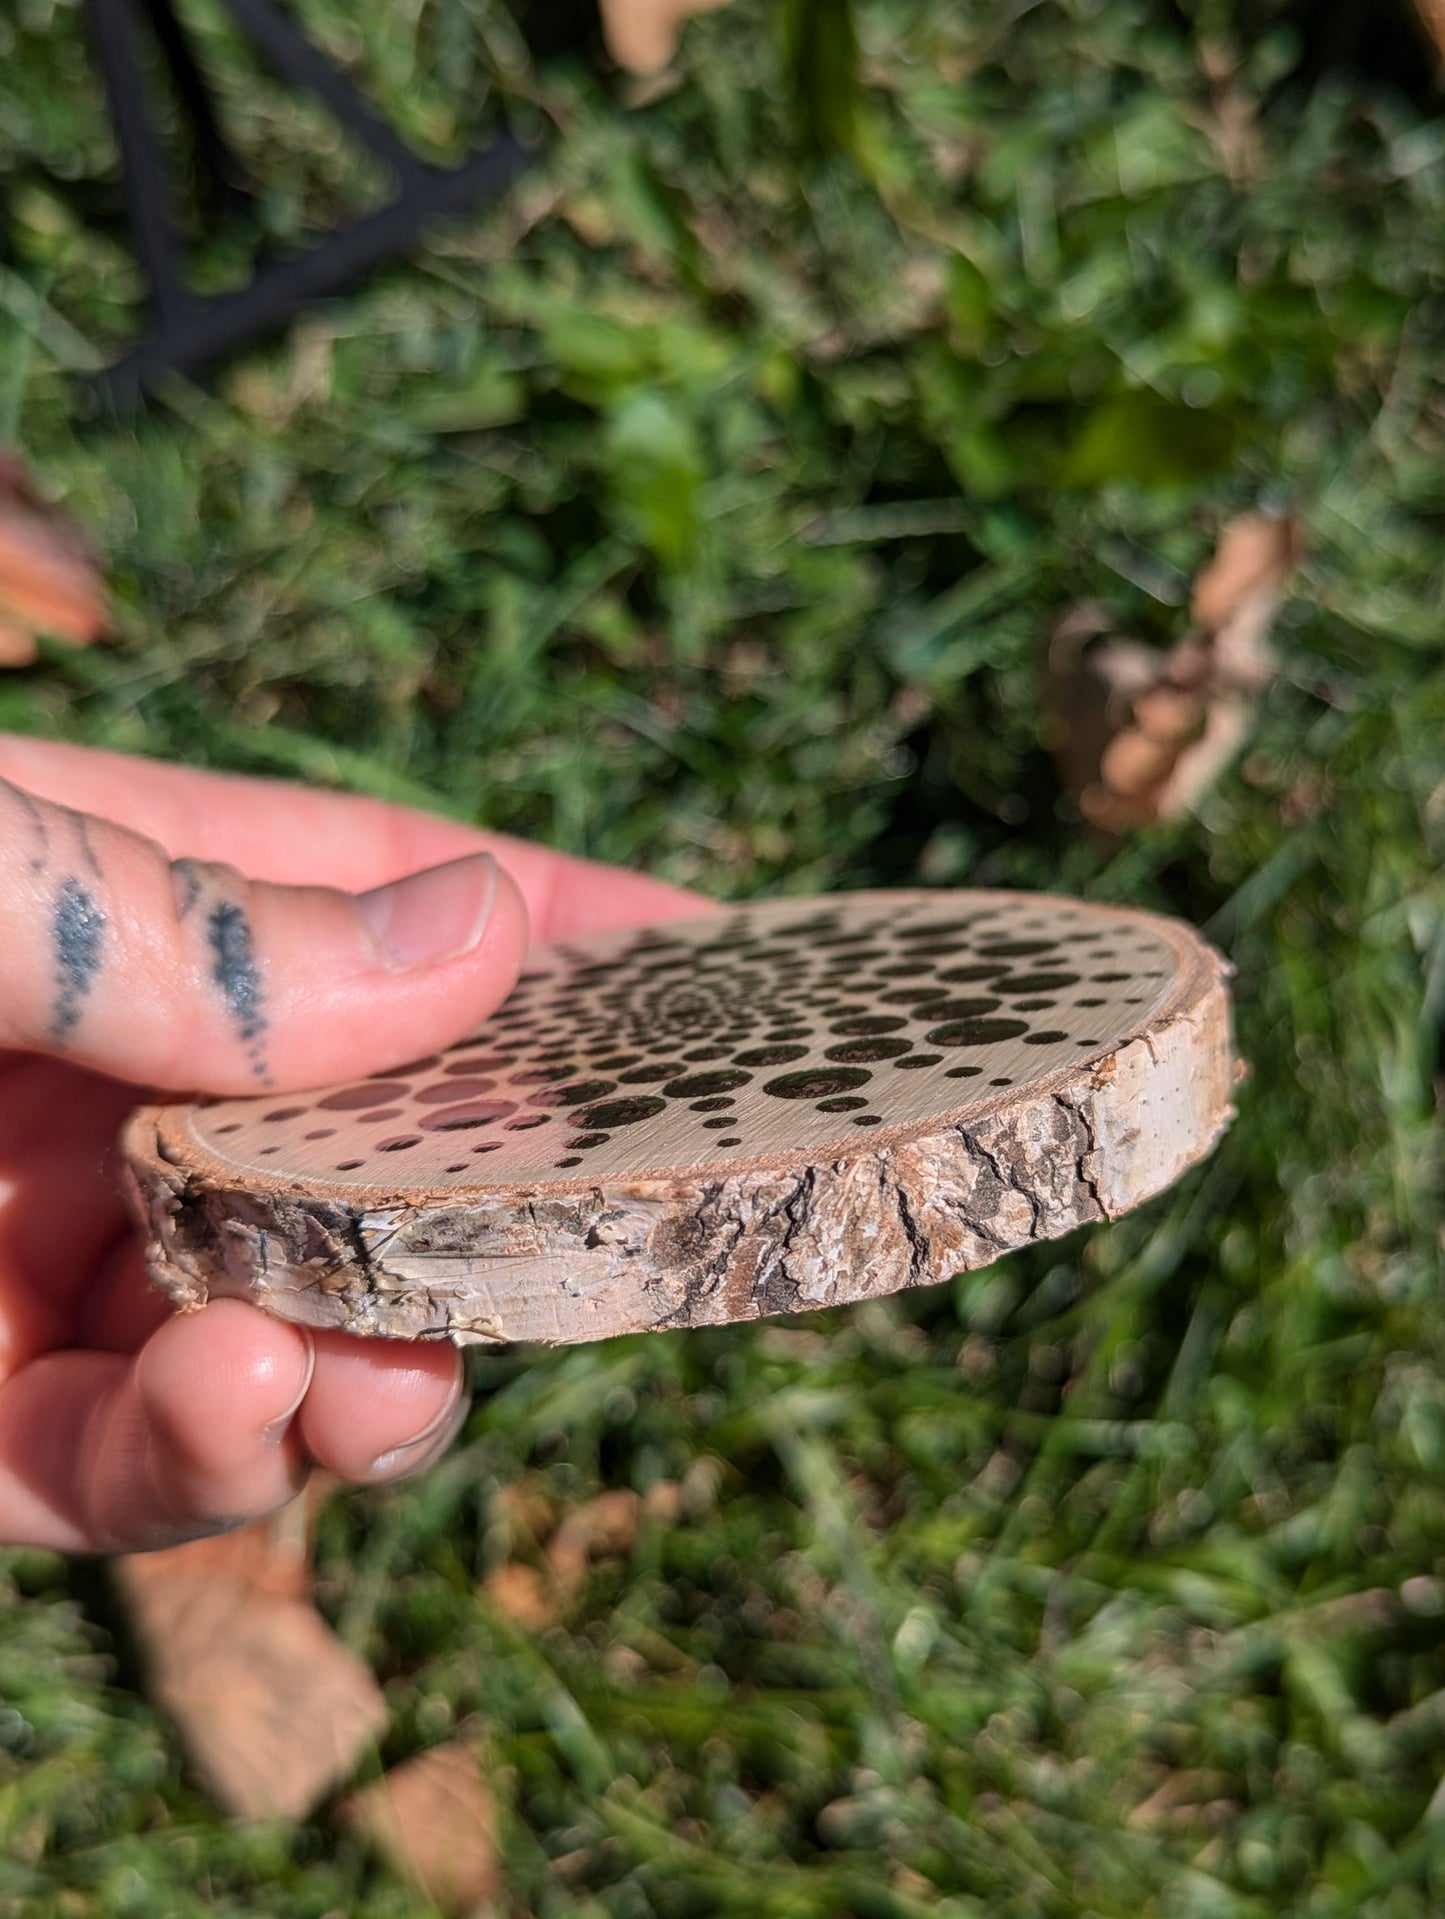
[{"x": 192, "y": 330}]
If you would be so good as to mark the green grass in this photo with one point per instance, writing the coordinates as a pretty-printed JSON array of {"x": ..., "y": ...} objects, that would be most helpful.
[{"x": 706, "y": 507}]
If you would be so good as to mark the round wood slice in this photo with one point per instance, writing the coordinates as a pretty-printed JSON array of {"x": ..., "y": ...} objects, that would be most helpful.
[{"x": 773, "y": 1107}]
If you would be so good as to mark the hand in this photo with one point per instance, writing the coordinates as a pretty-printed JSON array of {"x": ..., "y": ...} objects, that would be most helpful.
[{"x": 183, "y": 932}]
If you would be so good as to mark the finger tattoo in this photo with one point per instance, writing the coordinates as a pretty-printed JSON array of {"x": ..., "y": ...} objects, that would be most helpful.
[
  {"x": 77, "y": 934},
  {"x": 238, "y": 975}
]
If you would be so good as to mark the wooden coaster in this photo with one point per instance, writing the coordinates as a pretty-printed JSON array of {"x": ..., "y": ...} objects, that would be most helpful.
[{"x": 774, "y": 1107}]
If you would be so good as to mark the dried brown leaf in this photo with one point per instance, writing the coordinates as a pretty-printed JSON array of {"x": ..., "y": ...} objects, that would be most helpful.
[
  {"x": 433, "y": 1819},
  {"x": 1138, "y": 735},
  {"x": 603, "y": 1528},
  {"x": 49, "y": 583},
  {"x": 522, "y": 1594},
  {"x": 17, "y": 647},
  {"x": 273, "y": 1711},
  {"x": 641, "y": 35},
  {"x": 1255, "y": 555},
  {"x": 1432, "y": 15}
]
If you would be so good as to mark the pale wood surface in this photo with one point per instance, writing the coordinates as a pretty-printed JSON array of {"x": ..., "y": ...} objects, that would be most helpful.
[{"x": 781, "y": 1106}]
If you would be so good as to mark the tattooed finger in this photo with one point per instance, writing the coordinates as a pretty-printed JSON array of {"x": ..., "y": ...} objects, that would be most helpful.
[{"x": 190, "y": 976}]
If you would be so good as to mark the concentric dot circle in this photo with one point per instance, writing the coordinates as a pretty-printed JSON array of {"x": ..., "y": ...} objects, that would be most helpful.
[{"x": 782, "y": 1023}]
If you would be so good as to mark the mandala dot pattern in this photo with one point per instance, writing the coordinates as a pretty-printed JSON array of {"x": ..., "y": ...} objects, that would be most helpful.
[{"x": 780, "y": 1027}]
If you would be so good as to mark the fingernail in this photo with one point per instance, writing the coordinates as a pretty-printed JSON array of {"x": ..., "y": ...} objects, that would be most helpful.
[
  {"x": 275, "y": 1430},
  {"x": 435, "y": 915},
  {"x": 428, "y": 1445}
]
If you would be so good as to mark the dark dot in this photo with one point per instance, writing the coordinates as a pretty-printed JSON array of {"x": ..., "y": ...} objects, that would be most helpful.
[
  {"x": 961, "y": 975},
  {"x": 905, "y": 969},
  {"x": 415, "y": 1066},
  {"x": 286, "y": 1112},
  {"x": 961, "y": 1008},
  {"x": 699, "y": 1085},
  {"x": 1044, "y": 1039},
  {"x": 736, "y": 1140},
  {"x": 936, "y": 949},
  {"x": 616, "y": 1061},
  {"x": 349, "y": 1165},
  {"x": 622, "y": 1112},
  {"x": 527, "y": 1122},
  {"x": 1108, "y": 979},
  {"x": 976, "y": 1032},
  {"x": 266, "y": 1151},
  {"x": 817, "y": 1082},
  {"x": 940, "y": 929},
  {"x": 1128, "y": 1002},
  {"x": 1088, "y": 1042},
  {"x": 713, "y": 1105},
  {"x": 916, "y": 1060},
  {"x": 1090, "y": 1002},
  {"x": 720, "y": 1125},
  {"x": 963, "y": 1072},
  {"x": 706, "y": 1052},
  {"x": 1033, "y": 1005},
  {"x": 868, "y": 1119},
  {"x": 447, "y": 1091},
  {"x": 378, "y": 1092},
  {"x": 647, "y": 1075},
  {"x": 488, "y": 1146},
  {"x": 1001, "y": 1082},
  {"x": 234, "y": 1126},
  {"x": 1042, "y": 982},
  {"x": 845, "y": 1103},
  {"x": 870, "y": 1049},
  {"x": 322, "y": 1132},
  {"x": 583, "y": 1091},
  {"x": 464, "y": 1119},
  {"x": 913, "y": 996},
  {"x": 573, "y": 1159},
  {"x": 539, "y": 1075},
  {"x": 870, "y": 1023},
  {"x": 1016, "y": 949},
  {"x": 379, "y": 1117},
  {"x": 772, "y": 1055},
  {"x": 483, "y": 1063},
  {"x": 399, "y": 1144},
  {"x": 588, "y": 1139},
  {"x": 460, "y": 1167}
]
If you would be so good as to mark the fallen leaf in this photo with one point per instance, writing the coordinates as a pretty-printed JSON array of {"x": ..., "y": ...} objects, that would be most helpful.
[
  {"x": 433, "y": 1819},
  {"x": 1432, "y": 14},
  {"x": 1138, "y": 735},
  {"x": 49, "y": 584},
  {"x": 522, "y": 1594},
  {"x": 603, "y": 1528},
  {"x": 272, "y": 1710},
  {"x": 641, "y": 35}
]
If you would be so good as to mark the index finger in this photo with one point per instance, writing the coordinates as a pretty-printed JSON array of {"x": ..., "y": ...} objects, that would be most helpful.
[{"x": 296, "y": 835}]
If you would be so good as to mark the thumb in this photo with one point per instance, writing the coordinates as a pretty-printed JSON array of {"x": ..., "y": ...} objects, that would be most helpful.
[{"x": 187, "y": 976}]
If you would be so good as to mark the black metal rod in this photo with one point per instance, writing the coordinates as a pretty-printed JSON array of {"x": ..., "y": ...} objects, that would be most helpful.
[
  {"x": 224, "y": 176},
  {"x": 215, "y": 327},
  {"x": 307, "y": 66},
  {"x": 147, "y": 189}
]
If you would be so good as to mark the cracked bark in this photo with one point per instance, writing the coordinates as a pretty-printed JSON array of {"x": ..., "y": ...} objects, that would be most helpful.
[{"x": 578, "y": 1261}]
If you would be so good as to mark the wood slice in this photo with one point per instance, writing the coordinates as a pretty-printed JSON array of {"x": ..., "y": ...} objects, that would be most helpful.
[{"x": 775, "y": 1107}]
